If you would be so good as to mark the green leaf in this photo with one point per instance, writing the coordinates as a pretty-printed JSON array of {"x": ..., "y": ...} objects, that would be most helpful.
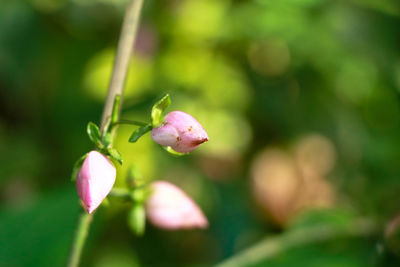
[
  {"x": 137, "y": 219},
  {"x": 173, "y": 152},
  {"x": 139, "y": 132},
  {"x": 115, "y": 110},
  {"x": 107, "y": 139},
  {"x": 77, "y": 166},
  {"x": 332, "y": 216},
  {"x": 94, "y": 134},
  {"x": 158, "y": 109},
  {"x": 115, "y": 154}
]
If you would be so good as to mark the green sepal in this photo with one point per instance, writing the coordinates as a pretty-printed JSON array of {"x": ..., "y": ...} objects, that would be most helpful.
[
  {"x": 93, "y": 132},
  {"x": 77, "y": 167},
  {"x": 114, "y": 154},
  {"x": 139, "y": 132},
  {"x": 158, "y": 108},
  {"x": 137, "y": 219},
  {"x": 173, "y": 152}
]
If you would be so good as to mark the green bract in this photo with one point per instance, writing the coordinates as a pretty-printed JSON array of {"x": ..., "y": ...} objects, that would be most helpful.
[
  {"x": 113, "y": 153},
  {"x": 158, "y": 108},
  {"x": 156, "y": 118},
  {"x": 94, "y": 134},
  {"x": 139, "y": 132}
]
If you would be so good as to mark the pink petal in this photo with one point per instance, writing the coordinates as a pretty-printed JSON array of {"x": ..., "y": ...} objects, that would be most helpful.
[
  {"x": 170, "y": 208},
  {"x": 95, "y": 180}
]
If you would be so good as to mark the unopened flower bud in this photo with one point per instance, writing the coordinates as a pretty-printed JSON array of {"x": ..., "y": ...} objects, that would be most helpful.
[
  {"x": 180, "y": 131},
  {"x": 170, "y": 208},
  {"x": 95, "y": 180}
]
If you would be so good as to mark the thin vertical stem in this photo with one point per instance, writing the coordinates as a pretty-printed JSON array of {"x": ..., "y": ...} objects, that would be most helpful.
[
  {"x": 121, "y": 64},
  {"x": 116, "y": 87},
  {"x": 80, "y": 237}
]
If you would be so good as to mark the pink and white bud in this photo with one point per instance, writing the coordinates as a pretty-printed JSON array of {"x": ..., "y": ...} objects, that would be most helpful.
[
  {"x": 180, "y": 131},
  {"x": 95, "y": 180},
  {"x": 170, "y": 208}
]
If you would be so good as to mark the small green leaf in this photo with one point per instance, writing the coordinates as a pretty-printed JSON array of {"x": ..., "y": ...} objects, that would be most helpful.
[
  {"x": 115, "y": 154},
  {"x": 94, "y": 134},
  {"x": 115, "y": 110},
  {"x": 107, "y": 126},
  {"x": 107, "y": 139},
  {"x": 158, "y": 109},
  {"x": 137, "y": 219},
  {"x": 139, "y": 132},
  {"x": 173, "y": 152},
  {"x": 77, "y": 167}
]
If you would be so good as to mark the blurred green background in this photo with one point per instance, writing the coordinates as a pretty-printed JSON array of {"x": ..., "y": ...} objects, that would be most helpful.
[{"x": 300, "y": 99}]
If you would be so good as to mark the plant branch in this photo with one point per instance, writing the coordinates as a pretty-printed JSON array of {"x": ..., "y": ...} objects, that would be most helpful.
[
  {"x": 122, "y": 58},
  {"x": 116, "y": 87},
  {"x": 271, "y": 247},
  {"x": 120, "y": 193},
  {"x": 80, "y": 237},
  {"x": 131, "y": 122}
]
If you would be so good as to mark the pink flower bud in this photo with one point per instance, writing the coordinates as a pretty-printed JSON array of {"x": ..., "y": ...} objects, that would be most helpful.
[
  {"x": 180, "y": 131},
  {"x": 95, "y": 180},
  {"x": 170, "y": 208}
]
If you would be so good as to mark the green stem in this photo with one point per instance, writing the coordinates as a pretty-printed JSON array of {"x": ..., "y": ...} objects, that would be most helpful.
[
  {"x": 116, "y": 87},
  {"x": 131, "y": 122},
  {"x": 120, "y": 193},
  {"x": 272, "y": 246},
  {"x": 80, "y": 237},
  {"x": 122, "y": 58}
]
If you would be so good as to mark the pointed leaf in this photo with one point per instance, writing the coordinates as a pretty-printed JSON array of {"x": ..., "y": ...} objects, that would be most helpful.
[
  {"x": 115, "y": 154},
  {"x": 158, "y": 109},
  {"x": 94, "y": 134},
  {"x": 107, "y": 139},
  {"x": 115, "y": 110},
  {"x": 139, "y": 132}
]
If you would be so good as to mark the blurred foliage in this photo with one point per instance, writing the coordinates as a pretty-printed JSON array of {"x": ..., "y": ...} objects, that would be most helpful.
[{"x": 258, "y": 74}]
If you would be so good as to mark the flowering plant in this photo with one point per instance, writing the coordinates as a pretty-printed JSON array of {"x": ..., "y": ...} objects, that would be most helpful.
[
  {"x": 165, "y": 205},
  {"x": 95, "y": 174}
]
